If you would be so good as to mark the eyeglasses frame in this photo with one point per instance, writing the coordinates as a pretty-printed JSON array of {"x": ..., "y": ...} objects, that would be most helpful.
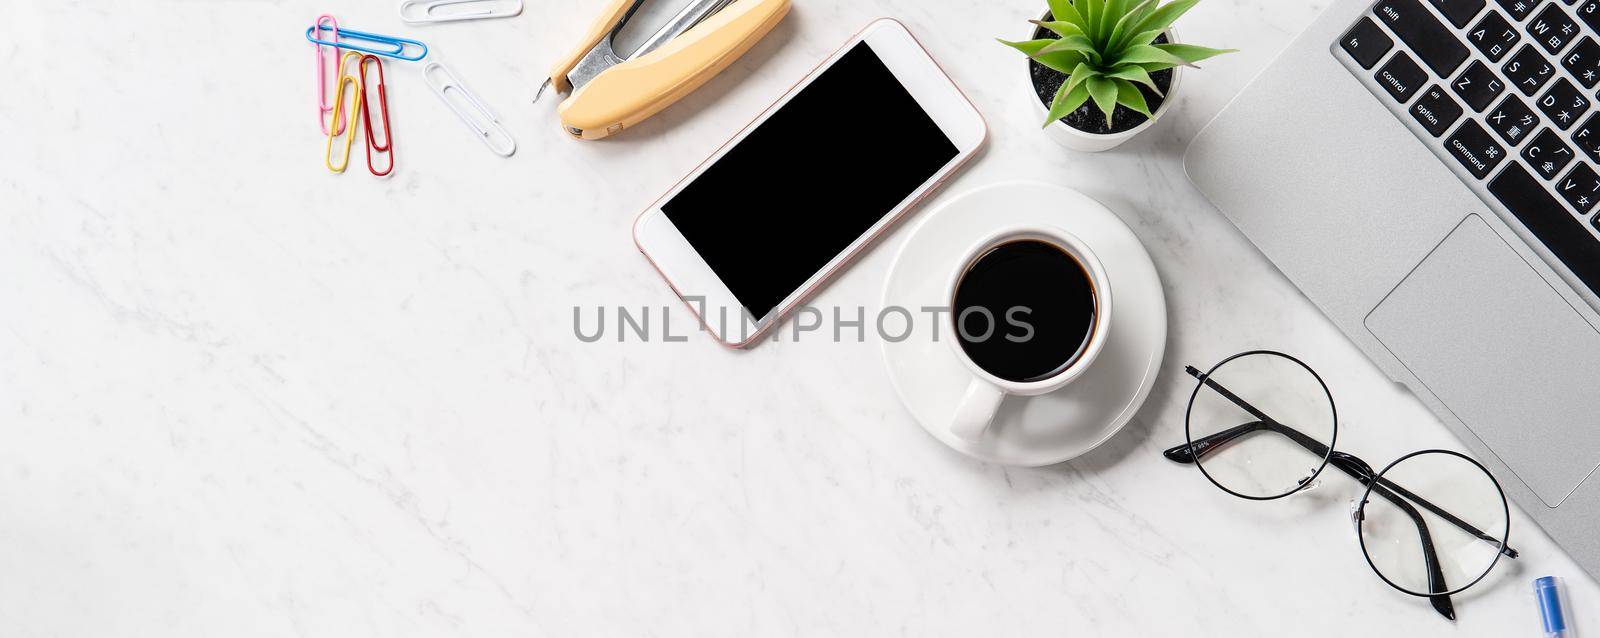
[{"x": 1190, "y": 451}]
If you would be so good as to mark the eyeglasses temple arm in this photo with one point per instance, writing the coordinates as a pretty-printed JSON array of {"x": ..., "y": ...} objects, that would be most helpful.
[
  {"x": 1448, "y": 517},
  {"x": 1188, "y": 452},
  {"x": 1430, "y": 557}
]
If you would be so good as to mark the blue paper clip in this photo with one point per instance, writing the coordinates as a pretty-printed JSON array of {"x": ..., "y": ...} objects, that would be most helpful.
[{"x": 396, "y": 47}]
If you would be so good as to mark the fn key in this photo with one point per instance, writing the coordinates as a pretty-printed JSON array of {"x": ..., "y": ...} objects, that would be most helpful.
[
  {"x": 1366, "y": 43},
  {"x": 1472, "y": 146}
]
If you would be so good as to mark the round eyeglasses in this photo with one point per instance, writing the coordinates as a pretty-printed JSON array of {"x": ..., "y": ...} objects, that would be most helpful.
[{"x": 1261, "y": 425}]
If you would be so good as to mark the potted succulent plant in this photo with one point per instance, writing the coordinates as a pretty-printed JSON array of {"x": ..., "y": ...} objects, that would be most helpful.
[{"x": 1105, "y": 70}]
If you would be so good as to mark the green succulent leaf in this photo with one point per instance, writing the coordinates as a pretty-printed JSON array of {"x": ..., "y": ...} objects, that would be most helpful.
[
  {"x": 1128, "y": 95},
  {"x": 1065, "y": 11},
  {"x": 1135, "y": 73},
  {"x": 1190, "y": 53},
  {"x": 1152, "y": 67},
  {"x": 1126, "y": 24},
  {"x": 1104, "y": 93},
  {"x": 1027, "y": 47},
  {"x": 1147, "y": 54},
  {"x": 1076, "y": 43},
  {"x": 1137, "y": 39},
  {"x": 1069, "y": 43},
  {"x": 1063, "y": 61},
  {"x": 1091, "y": 10},
  {"x": 1080, "y": 75},
  {"x": 1141, "y": 13},
  {"x": 1060, "y": 27},
  {"x": 1163, "y": 17},
  {"x": 1114, "y": 11},
  {"x": 1067, "y": 101}
]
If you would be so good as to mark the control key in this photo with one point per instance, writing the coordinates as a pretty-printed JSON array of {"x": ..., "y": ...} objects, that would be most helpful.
[{"x": 1401, "y": 77}]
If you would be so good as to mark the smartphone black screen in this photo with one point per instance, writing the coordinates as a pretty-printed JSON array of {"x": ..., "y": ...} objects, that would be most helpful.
[{"x": 801, "y": 187}]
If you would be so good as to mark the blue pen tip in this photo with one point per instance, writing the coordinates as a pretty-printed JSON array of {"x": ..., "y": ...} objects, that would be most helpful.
[{"x": 1552, "y": 607}]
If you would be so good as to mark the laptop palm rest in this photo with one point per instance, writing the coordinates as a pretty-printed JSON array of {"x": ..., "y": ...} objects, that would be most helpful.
[{"x": 1509, "y": 356}]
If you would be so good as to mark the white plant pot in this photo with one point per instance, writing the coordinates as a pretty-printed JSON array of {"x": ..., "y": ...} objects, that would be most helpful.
[{"x": 1095, "y": 142}]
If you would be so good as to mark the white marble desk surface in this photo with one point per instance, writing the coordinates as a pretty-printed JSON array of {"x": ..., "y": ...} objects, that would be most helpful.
[{"x": 240, "y": 396}]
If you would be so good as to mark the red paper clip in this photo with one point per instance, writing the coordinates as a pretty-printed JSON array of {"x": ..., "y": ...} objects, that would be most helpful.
[{"x": 383, "y": 108}]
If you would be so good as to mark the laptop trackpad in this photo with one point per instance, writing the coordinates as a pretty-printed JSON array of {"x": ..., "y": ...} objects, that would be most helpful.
[{"x": 1505, "y": 352}]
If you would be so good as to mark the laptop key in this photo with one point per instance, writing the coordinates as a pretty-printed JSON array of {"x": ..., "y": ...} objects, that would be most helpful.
[
  {"x": 1472, "y": 146},
  {"x": 1477, "y": 86},
  {"x": 1587, "y": 137},
  {"x": 1581, "y": 188},
  {"x": 1544, "y": 216},
  {"x": 1552, "y": 29},
  {"x": 1519, "y": 9},
  {"x": 1434, "y": 43},
  {"x": 1401, "y": 77},
  {"x": 1583, "y": 62},
  {"x": 1513, "y": 120},
  {"x": 1458, "y": 12},
  {"x": 1589, "y": 13},
  {"x": 1366, "y": 43},
  {"x": 1563, "y": 104},
  {"x": 1528, "y": 70},
  {"x": 1494, "y": 36},
  {"x": 1436, "y": 111},
  {"x": 1547, "y": 154}
]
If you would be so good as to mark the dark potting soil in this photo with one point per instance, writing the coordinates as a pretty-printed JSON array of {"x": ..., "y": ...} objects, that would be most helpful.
[{"x": 1088, "y": 118}]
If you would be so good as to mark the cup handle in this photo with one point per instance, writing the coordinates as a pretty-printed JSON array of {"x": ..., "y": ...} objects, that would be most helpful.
[{"x": 976, "y": 410}]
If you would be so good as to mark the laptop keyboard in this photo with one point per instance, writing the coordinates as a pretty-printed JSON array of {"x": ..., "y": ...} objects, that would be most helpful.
[{"x": 1505, "y": 91}]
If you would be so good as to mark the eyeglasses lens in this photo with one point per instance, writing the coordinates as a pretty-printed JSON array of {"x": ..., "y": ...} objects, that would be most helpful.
[
  {"x": 1410, "y": 509},
  {"x": 1262, "y": 424}
]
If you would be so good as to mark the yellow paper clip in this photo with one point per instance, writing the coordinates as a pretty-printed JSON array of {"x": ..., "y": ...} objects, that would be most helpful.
[{"x": 351, "y": 121}]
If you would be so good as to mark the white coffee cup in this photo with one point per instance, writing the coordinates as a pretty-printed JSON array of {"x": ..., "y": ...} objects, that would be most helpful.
[{"x": 985, "y": 391}]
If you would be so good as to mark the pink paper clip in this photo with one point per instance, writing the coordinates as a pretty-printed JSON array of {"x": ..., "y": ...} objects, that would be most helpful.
[{"x": 325, "y": 57}]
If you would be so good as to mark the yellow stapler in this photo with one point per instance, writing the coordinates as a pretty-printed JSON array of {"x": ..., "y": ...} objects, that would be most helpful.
[{"x": 610, "y": 93}]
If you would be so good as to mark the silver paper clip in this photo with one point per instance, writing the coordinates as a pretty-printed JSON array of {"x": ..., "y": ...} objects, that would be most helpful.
[
  {"x": 425, "y": 11},
  {"x": 490, "y": 130}
]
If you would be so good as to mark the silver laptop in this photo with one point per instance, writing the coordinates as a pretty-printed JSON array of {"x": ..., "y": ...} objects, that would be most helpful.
[{"x": 1427, "y": 172}]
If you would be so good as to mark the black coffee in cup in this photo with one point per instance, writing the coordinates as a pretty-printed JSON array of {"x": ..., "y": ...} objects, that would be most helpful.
[{"x": 1024, "y": 310}]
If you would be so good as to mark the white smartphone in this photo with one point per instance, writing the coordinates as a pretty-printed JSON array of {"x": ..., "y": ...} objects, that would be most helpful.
[{"x": 760, "y": 225}]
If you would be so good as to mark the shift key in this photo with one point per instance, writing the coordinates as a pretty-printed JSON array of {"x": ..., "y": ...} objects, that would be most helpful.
[
  {"x": 1472, "y": 146},
  {"x": 1437, "y": 45}
]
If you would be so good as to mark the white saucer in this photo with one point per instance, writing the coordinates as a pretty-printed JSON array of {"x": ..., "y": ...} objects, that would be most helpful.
[{"x": 1050, "y": 428}]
